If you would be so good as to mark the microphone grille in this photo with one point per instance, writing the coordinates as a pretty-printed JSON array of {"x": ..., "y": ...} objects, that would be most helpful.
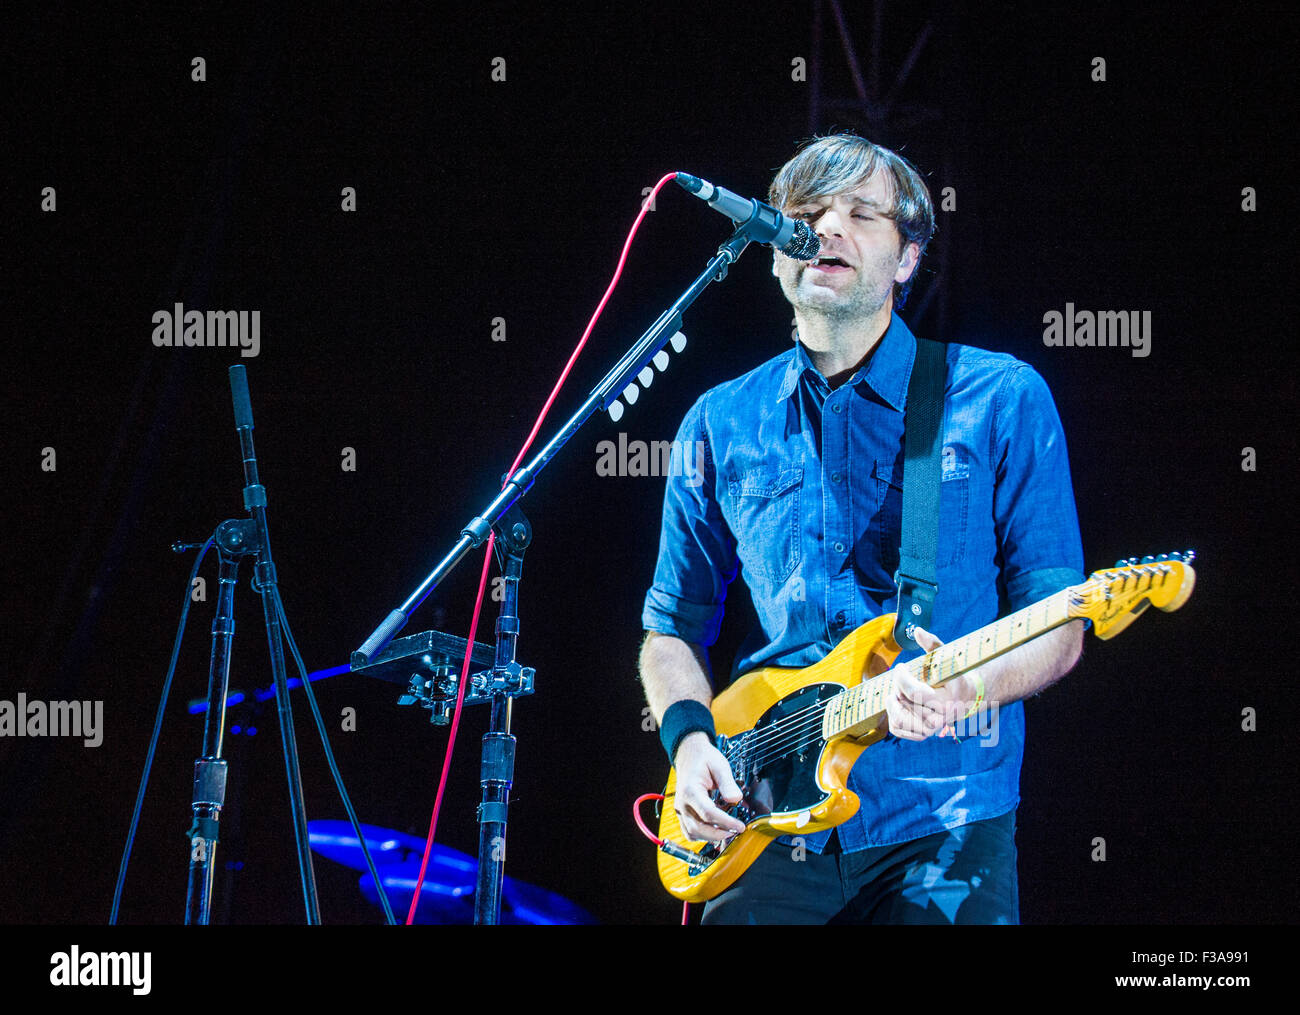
[{"x": 803, "y": 245}]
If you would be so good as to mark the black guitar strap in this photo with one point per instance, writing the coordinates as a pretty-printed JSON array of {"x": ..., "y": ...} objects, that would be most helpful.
[{"x": 922, "y": 464}]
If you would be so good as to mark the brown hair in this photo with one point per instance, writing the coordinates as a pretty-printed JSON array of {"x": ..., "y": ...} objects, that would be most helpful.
[{"x": 836, "y": 163}]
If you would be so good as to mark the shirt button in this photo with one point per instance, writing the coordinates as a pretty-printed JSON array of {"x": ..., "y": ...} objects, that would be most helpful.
[
  {"x": 840, "y": 619},
  {"x": 836, "y": 407},
  {"x": 835, "y": 477},
  {"x": 839, "y": 547}
]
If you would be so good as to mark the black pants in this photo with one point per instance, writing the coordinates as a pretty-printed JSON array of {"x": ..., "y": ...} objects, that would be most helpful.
[{"x": 964, "y": 875}]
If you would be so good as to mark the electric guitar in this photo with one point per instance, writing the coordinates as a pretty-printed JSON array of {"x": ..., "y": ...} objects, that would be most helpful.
[{"x": 792, "y": 735}]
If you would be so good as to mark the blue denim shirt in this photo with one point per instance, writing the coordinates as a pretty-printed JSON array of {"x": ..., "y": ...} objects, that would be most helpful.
[{"x": 798, "y": 489}]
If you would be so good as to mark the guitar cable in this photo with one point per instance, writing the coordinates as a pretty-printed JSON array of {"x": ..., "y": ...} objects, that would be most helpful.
[
  {"x": 646, "y": 205},
  {"x": 671, "y": 848}
]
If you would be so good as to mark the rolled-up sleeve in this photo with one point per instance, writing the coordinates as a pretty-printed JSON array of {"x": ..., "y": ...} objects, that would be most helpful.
[
  {"x": 1034, "y": 512},
  {"x": 697, "y": 552}
]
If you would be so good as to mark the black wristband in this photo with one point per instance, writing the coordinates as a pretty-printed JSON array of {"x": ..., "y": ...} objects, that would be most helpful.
[{"x": 682, "y": 718}]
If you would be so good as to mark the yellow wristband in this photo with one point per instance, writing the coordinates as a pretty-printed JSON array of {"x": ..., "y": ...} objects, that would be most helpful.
[{"x": 979, "y": 696}]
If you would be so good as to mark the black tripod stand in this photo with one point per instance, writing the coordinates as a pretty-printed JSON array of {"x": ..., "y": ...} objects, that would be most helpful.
[{"x": 236, "y": 539}]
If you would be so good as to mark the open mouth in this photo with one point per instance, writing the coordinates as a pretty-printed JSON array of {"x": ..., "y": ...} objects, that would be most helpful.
[{"x": 830, "y": 263}]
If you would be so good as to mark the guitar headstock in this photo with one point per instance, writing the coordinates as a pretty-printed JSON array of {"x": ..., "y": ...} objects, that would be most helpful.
[{"x": 1112, "y": 599}]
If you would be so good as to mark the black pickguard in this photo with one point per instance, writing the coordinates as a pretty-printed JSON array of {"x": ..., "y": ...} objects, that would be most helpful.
[{"x": 775, "y": 763}]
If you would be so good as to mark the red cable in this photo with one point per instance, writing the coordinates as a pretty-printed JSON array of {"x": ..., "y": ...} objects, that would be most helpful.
[
  {"x": 645, "y": 207},
  {"x": 487, "y": 557},
  {"x": 636, "y": 816},
  {"x": 451, "y": 739}
]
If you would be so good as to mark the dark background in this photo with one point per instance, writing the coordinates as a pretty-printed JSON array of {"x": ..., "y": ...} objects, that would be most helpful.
[{"x": 479, "y": 199}]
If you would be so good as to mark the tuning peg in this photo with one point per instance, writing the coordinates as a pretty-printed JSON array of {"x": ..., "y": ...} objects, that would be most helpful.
[
  {"x": 615, "y": 410},
  {"x": 630, "y": 394},
  {"x": 1148, "y": 559},
  {"x": 646, "y": 376},
  {"x": 1189, "y": 556},
  {"x": 678, "y": 342},
  {"x": 1162, "y": 556},
  {"x": 661, "y": 360}
]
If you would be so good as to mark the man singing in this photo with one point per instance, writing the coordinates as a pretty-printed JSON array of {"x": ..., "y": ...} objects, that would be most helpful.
[{"x": 801, "y": 493}]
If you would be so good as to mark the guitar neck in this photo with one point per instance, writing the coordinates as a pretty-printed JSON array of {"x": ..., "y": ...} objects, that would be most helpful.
[{"x": 859, "y": 708}]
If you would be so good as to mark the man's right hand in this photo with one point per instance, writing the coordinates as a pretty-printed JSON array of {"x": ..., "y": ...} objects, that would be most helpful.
[{"x": 702, "y": 769}]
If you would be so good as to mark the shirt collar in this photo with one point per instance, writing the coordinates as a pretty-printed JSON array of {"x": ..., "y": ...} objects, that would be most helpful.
[{"x": 887, "y": 372}]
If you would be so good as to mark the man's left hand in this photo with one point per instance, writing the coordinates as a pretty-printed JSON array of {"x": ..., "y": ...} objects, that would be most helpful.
[{"x": 916, "y": 710}]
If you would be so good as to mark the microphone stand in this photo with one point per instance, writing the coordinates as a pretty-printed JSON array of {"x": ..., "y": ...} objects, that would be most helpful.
[
  {"x": 757, "y": 228},
  {"x": 234, "y": 539},
  {"x": 507, "y": 679}
]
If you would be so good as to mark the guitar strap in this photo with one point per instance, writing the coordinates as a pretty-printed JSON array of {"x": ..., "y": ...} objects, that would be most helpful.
[{"x": 922, "y": 463}]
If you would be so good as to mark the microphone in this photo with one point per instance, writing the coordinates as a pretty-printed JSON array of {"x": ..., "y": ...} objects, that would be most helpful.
[{"x": 790, "y": 236}]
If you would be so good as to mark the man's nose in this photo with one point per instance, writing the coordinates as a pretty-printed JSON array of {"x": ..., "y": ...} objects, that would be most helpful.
[{"x": 830, "y": 223}]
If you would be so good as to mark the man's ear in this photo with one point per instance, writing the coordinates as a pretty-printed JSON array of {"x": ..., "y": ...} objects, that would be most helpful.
[{"x": 907, "y": 262}]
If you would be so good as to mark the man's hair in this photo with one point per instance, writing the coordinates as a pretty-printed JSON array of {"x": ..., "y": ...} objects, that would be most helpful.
[{"x": 830, "y": 165}]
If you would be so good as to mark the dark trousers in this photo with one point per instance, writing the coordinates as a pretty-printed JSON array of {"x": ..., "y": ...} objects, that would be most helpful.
[{"x": 965, "y": 875}]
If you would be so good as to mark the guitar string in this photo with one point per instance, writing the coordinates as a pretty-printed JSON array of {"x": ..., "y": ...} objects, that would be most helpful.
[
  {"x": 945, "y": 668},
  {"x": 773, "y": 740},
  {"x": 799, "y": 722},
  {"x": 782, "y": 738}
]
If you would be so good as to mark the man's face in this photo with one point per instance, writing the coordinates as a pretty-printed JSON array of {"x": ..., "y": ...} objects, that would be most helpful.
[{"x": 860, "y": 257}]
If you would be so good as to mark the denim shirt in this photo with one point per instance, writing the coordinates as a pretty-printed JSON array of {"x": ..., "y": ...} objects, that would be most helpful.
[{"x": 798, "y": 490}]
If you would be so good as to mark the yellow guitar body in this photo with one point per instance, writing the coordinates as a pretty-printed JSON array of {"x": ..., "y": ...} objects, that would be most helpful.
[{"x": 869, "y": 650}]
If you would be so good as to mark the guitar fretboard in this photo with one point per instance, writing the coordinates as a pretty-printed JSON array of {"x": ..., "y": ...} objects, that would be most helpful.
[{"x": 863, "y": 704}]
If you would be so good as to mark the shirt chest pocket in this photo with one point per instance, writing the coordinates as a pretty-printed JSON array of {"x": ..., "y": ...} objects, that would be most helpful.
[
  {"x": 765, "y": 520},
  {"x": 954, "y": 507}
]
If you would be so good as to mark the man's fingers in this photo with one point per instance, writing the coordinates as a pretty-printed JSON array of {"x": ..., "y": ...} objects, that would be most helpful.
[
  {"x": 697, "y": 803},
  {"x": 702, "y": 820},
  {"x": 911, "y": 718},
  {"x": 724, "y": 780},
  {"x": 910, "y": 725},
  {"x": 702, "y": 831},
  {"x": 925, "y": 639},
  {"x": 913, "y": 692}
]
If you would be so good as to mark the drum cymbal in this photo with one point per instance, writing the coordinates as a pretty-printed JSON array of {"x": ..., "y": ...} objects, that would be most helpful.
[
  {"x": 336, "y": 841},
  {"x": 444, "y": 900}
]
